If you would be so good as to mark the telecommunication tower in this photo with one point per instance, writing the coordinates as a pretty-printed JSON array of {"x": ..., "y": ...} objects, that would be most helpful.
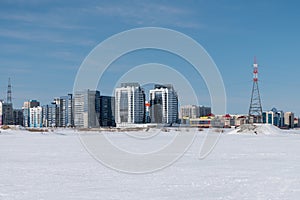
[{"x": 255, "y": 110}]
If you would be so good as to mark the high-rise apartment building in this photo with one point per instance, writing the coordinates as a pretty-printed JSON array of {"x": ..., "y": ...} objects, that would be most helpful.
[
  {"x": 107, "y": 111},
  {"x": 129, "y": 104},
  {"x": 6, "y": 113},
  {"x": 51, "y": 115},
  {"x": 87, "y": 109},
  {"x": 36, "y": 117},
  {"x": 26, "y": 111},
  {"x": 66, "y": 115},
  {"x": 18, "y": 117},
  {"x": 164, "y": 104}
]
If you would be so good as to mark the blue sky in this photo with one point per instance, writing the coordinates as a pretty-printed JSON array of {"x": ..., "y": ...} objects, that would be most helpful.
[{"x": 43, "y": 43}]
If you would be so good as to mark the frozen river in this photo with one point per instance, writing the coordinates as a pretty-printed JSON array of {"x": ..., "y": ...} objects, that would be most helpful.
[{"x": 56, "y": 166}]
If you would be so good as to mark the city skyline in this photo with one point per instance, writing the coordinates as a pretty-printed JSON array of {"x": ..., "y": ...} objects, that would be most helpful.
[
  {"x": 43, "y": 46},
  {"x": 129, "y": 108}
]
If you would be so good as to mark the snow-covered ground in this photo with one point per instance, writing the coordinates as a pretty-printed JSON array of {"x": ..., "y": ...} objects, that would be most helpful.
[{"x": 55, "y": 165}]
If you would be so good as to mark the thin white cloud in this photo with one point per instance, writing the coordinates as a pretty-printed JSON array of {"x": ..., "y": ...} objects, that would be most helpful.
[
  {"x": 148, "y": 14},
  {"x": 44, "y": 35},
  {"x": 56, "y": 20}
]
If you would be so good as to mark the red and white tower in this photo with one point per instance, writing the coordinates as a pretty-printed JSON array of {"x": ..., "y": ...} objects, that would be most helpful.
[{"x": 255, "y": 110}]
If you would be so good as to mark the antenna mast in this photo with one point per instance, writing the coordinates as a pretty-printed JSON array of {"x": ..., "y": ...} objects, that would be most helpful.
[{"x": 255, "y": 110}]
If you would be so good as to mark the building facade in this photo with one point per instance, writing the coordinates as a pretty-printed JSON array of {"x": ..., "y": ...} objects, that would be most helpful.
[
  {"x": 193, "y": 111},
  {"x": 189, "y": 111},
  {"x": 7, "y": 113},
  {"x": 107, "y": 111},
  {"x": 18, "y": 117},
  {"x": 268, "y": 117},
  {"x": 129, "y": 104},
  {"x": 36, "y": 117},
  {"x": 202, "y": 122},
  {"x": 204, "y": 111},
  {"x": 66, "y": 111},
  {"x": 274, "y": 117},
  {"x": 1, "y": 113},
  {"x": 51, "y": 115},
  {"x": 87, "y": 109},
  {"x": 26, "y": 111},
  {"x": 164, "y": 104},
  {"x": 289, "y": 119}
]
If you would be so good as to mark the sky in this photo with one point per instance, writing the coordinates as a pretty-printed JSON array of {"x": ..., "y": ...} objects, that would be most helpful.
[{"x": 43, "y": 44}]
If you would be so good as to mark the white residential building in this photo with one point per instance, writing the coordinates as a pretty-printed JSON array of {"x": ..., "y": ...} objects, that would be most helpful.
[
  {"x": 129, "y": 104},
  {"x": 164, "y": 104},
  {"x": 36, "y": 117}
]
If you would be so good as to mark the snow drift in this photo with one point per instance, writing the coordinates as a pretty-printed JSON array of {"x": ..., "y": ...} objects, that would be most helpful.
[{"x": 266, "y": 129}]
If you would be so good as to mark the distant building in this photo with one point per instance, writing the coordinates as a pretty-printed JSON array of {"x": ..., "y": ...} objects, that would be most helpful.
[
  {"x": 129, "y": 104},
  {"x": 26, "y": 111},
  {"x": 66, "y": 111},
  {"x": 204, "y": 111},
  {"x": 289, "y": 119},
  {"x": 36, "y": 120},
  {"x": 238, "y": 120},
  {"x": 107, "y": 111},
  {"x": 228, "y": 121},
  {"x": 1, "y": 113},
  {"x": 268, "y": 117},
  {"x": 296, "y": 122},
  {"x": 274, "y": 117},
  {"x": 217, "y": 121},
  {"x": 51, "y": 115},
  {"x": 18, "y": 117},
  {"x": 147, "y": 114},
  {"x": 192, "y": 112},
  {"x": 164, "y": 104},
  {"x": 6, "y": 113},
  {"x": 202, "y": 122},
  {"x": 87, "y": 109},
  {"x": 56, "y": 101},
  {"x": 189, "y": 111}
]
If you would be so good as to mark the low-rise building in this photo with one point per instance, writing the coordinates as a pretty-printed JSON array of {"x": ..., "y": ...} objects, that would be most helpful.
[{"x": 289, "y": 119}]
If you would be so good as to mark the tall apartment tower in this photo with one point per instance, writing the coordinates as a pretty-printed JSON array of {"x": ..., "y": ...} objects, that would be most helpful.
[
  {"x": 107, "y": 111},
  {"x": 36, "y": 117},
  {"x": 18, "y": 117},
  {"x": 129, "y": 104},
  {"x": 7, "y": 113},
  {"x": 51, "y": 115},
  {"x": 164, "y": 104},
  {"x": 87, "y": 109},
  {"x": 26, "y": 111},
  {"x": 66, "y": 115}
]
